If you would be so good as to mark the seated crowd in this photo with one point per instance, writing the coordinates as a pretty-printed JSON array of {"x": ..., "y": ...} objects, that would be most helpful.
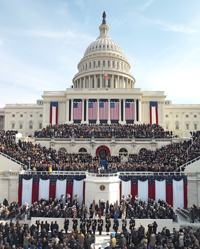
[
  {"x": 102, "y": 131},
  {"x": 82, "y": 234},
  {"x": 165, "y": 159}
]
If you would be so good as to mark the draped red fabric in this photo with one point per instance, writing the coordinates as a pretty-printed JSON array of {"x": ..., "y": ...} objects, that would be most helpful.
[
  {"x": 83, "y": 192},
  {"x": 52, "y": 191},
  {"x": 20, "y": 194},
  {"x": 169, "y": 193},
  {"x": 156, "y": 115},
  {"x": 69, "y": 190},
  {"x": 134, "y": 191},
  {"x": 185, "y": 194},
  {"x": 103, "y": 147},
  {"x": 35, "y": 192},
  {"x": 151, "y": 191},
  {"x": 120, "y": 190}
]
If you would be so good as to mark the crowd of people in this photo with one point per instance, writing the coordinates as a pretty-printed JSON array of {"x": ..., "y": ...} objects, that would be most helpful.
[
  {"x": 102, "y": 131},
  {"x": 168, "y": 158},
  {"x": 81, "y": 234},
  {"x": 137, "y": 209}
]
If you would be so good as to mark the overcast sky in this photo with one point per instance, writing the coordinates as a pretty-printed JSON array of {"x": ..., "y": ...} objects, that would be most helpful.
[{"x": 42, "y": 41}]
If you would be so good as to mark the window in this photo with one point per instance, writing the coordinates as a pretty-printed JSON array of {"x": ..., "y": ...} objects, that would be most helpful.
[
  {"x": 31, "y": 115},
  {"x": 21, "y": 115},
  {"x": 99, "y": 64},
  {"x": 103, "y": 46},
  {"x": 83, "y": 67},
  {"x": 195, "y": 116},
  {"x": 104, "y": 82},
  {"x": 62, "y": 150},
  {"x": 86, "y": 66},
  {"x": 94, "y": 63},
  {"x": 187, "y": 116},
  {"x": 40, "y": 125},
  {"x": 20, "y": 126},
  {"x": 187, "y": 126},
  {"x": 108, "y": 82},
  {"x": 108, "y": 63},
  {"x": 40, "y": 115},
  {"x": 31, "y": 124},
  {"x": 13, "y": 115},
  {"x": 166, "y": 115},
  {"x": 82, "y": 150},
  {"x": 98, "y": 83},
  {"x": 177, "y": 125},
  {"x": 90, "y": 65},
  {"x": 195, "y": 126},
  {"x": 113, "y": 64},
  {"x": 123, "y": 152},
  {"x": 13, "y": 125},
  {"x": 167, "y": 126},
  {"x": 104, "y": 63},
  {"x": 117, "y": 65},
  {"x": 176, "y": 116}
]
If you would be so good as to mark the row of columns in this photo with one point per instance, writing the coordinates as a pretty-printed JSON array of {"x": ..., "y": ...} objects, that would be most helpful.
[
  {"x": 120, "y": 81},
  {"x": 98, "y": 120}
]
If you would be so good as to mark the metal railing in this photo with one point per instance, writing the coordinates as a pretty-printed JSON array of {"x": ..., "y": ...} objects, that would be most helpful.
[
  {"x": 119, "y": 173},
  {"x": 12, "y": 159}
]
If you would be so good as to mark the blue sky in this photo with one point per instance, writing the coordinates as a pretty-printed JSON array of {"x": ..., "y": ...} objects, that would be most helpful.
[{"x": 42, "y": 41}]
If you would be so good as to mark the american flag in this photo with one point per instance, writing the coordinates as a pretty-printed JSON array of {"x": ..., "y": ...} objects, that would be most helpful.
[
  {"x": 129, "y": 111},
  {"x": 114, "y": 110},
  {"x": 103, "y": 110},
  {"x": 77, "y": 110},
  {"x": 92, "y": 110},
  {"x": 153, "y": 112},
  {"x": 74, "y": 212},
  {"x": 106, "y": 76}
]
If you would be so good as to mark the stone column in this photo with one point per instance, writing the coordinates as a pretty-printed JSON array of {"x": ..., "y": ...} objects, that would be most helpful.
[
  {"x": 140, "y": 111},
  {"x": 101, "y": 81},
  {"x": 89, "y": 82},
  {"x": 67, "y": 111},
  {"x": 72, "y": 100},
  {"x": 97, "y": 111},
  {"x": 84, "y": 80},
  {"x": 112, "y": 81},
  {"x": 87, "y": 111},
  {"x": 124, "y": 100},
  {"x": 95, "y": 81},
  {"x": 122, "y": 82},
  {"x": 109, "y": 111},
  {"x": 118, "y": 81}
]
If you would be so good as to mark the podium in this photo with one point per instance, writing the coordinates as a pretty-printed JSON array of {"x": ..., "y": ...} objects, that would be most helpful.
[{"x": 102, "y": 186}]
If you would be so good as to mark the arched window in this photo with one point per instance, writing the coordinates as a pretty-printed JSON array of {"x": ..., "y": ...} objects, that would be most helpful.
[
  {"x": 108, "y": 63},
  {"x": 177, "y": 125},
  {"x": 94, "y": 64},
  {"x": 123, "y": 152},
  {"x": 104, "y": 63},
  {"x": 62, "y": 150},
  {"x": 113, "y": 64},
  {"x": 90, "y": 65},
  {"x": 30, "y": 124},
  {"x": 82, "y": 150},
  {"x": 143, "y": 151}
]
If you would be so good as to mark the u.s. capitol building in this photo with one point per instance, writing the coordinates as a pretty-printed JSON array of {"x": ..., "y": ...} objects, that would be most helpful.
[{"x": 103, "y": 92}]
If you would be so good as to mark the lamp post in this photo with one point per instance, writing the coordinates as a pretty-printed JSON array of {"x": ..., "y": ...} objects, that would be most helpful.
[{"x": 29, "y": 167}]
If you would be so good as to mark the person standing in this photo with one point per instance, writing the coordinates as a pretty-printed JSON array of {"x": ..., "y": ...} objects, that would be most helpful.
[{"x": 112, "y": 242}]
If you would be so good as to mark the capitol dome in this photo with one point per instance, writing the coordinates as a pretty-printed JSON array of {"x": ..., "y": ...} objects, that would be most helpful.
[{"x": 104, "y": 56}]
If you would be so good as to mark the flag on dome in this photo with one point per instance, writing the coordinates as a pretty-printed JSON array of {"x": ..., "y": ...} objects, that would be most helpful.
[
  {"x": 53, "y": 113},
  {"x": 153, "y": 112},
  {"x": 106, "y": 76}
]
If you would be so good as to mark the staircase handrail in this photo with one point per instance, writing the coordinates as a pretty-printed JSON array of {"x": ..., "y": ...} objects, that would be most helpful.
[
  {"x": 12, "y": 159},
  {"x": 189, "y": 162}
]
